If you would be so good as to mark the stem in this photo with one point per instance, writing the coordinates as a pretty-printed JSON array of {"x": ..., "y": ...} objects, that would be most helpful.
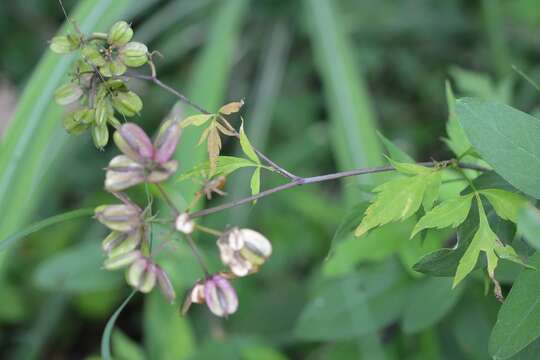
[
  {"x": 199, "y": 108},
  {"x": 195, "y": 251},
  {"x": 167, "y": 199},
  {"x": 208, "y": 230},
  {"x": 318, "y": 179}
]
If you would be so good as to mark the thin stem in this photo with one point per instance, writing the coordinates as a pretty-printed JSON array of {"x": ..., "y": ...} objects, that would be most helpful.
[
  {"x": 208, "y": 230},
  {"x": 318, "y": 179},
  {"x": 199, "y": 108},
  {"x": 167, "y": 199},
  {"x": 195, "y": 251}
]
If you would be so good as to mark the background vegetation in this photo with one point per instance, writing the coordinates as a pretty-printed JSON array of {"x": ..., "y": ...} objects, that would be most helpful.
[{"x": 319, "y": 78}]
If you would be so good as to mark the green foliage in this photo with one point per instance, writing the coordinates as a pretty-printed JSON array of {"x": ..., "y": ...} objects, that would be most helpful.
[
  {"x": 451, "y": 212},
  {"x": 225, "y": 165},
  {"x": 109, "y": 328},
  {"x": 529, "y": 225},
  {"x": 506, "y": 139}
]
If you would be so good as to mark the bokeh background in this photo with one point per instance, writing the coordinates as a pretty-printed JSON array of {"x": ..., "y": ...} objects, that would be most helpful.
[{"x": 319, "y": 78}]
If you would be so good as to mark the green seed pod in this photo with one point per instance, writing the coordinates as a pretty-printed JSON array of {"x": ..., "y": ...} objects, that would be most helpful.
[
  {"x": 113, "y": 68},
  {"x": 104, "y": 111},
  {"x": 120, "y": 33},
  {"x": 134, "y": 54},
  {"x": 100, "y": 135},
  {"x": 92, "y": 56},
  {"x": 118, "y": 243},
  {"x": 142, "y": 275},
  {"x": 127, "y": 103},
  {"x": 73, "y": 125},
  {"x": 64, "y": 44},
  {"x": 114, "y": 122},
  {"x": 67, "y": 93},
  {"x": 120, "y": 217},
  {"x": 121, "y": 261}
]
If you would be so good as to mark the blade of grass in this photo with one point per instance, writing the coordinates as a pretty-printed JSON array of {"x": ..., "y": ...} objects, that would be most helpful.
[
  {"x": 70, "y": 215},
  {"x": 106, "y": 338}
]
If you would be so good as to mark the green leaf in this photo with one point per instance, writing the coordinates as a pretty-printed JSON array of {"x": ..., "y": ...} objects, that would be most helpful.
[
  {"x": 358, "y": 304},
  {"x": 246, "y": 146},
  {"x": 529, "y": 225},
  {"x": 433, "y": 186},
  {"x": 395, "y": 152},
  {"x": 126, "y": 349},
  {"x": 106, "y": 337},
  {"x": 70, "y": 215},
  {"x": 518, "y": 321},
  {"x": 410, "y": 168},
  {"x": 396, "y": 200},
  {"x": 225, "y": 165},
  {"x": 196, "y": 120},
  {"x": 431, "y": 300},
  {"x": 506, "y": 204},
  {"x": 256, "y": 181},
  {"x": 457, "y": 140},
  {"x": 451, "y": 212},
  {"x": 506, "y": 138}
]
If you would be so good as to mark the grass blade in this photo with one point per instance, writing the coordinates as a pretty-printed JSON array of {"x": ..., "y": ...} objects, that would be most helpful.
[{"x": 106, "y": 338}]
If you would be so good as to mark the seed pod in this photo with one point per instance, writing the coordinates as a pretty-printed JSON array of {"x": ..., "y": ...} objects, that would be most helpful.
[
  {"x": 162, "y": 172},
  {"x": 194, "y": 295},
  {"x": 100, "y": 135},
  {"x": 244, "y": 250},
  {"x": 134, "y": 54},
  {"x": 142, "y": 275},
  {"x": 64, "y": 44},
  {"x": 118, "y": 262},
  {"x": 67, "y": 94},
  {"x": 120, "y": 33},
  {"x": 113, "y": 68},
  {"x": 220, "y": 296},
  {"x": 123, "y": 173},
  {"x": 165, "y": 284},
  {"x": 120, "y": 217},
  {"x": 127, "y": 103},
  {"x": 104, "y": 111},
  {"x": 184, "y": 224},
  {"x": 92, "y": 55},
  {"x": 134, "y": 143},
  {"x": 166, "y": 140},
  {"x": 73, "y": 123},
  {"x": 118, "y": 243}
]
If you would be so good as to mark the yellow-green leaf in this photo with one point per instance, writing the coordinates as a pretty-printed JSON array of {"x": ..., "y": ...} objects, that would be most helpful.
[
  {"x": 506, "y": 204},
  {"x": 410, "y": 168},
  {"x": 246, "y": 145},
  {"x": 225, "y": 165},
  {"x": 256, "y": 182},
  {"x": 196, "y": 120},
  {"x": 449, "y": 213},
  {"x": 231, "y": 108},
  {"x": 214, "y": 147},
  {"x": 433, "y": 185}
]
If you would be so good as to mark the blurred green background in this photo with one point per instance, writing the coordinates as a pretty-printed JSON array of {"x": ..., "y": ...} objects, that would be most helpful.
[{"x": 319, "y": 78}]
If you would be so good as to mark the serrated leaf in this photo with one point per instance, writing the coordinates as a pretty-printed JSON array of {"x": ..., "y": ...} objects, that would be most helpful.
[
  {"x": 394, "y": 151},
  {"x": 231, "y": 108},
  {"x": 451, "y": 212},
  {"x": 484, "y": 240},
  {"x": 196, "y": 120},
  {"x": 225, "y": 165},
  {"x": 507, "y": 204},
  {"x": 214, "y": 147},
  {"x": 246, "y": 145},
  {"x": 518, "y": 321},
  {"x": 529, "y": 225},
  {"x": 506, "y": 138},
  {"x": 432, "y": 189},
  {"x": 396, "y": 200},
  {"x": 508, "y": 253},
  {"x": 410, "y": 168},
  {"x": 255, "y": 182}
]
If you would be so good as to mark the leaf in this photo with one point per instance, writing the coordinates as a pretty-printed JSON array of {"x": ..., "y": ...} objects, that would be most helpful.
[
  {"x": 518, "y": 321},
  {"x": 457, "y": 140},
  {"x": 395, "y": 152},
  {"x": 196, "y": 120},
  {"x": 214, "y": 147},
  {"x": 246, "y": 146},
  {"x": 106, "y": 337},
  {"x": 431, "y": 299},
  {"x": 506, "y": 204},
  {"x": 433, "y": 187},
  {"x": 346, "y": 226},
  {"x": 451, "y": 212},
  {"x": 529, "y": 225},
  {"x": 396, "y": 200},
  {"x": 70, "y": 215},
  {"x": 358, "y": 304},
  {"x": 410, "y": 168},
  {"x": 125, "y": 348},
  {"x": 256, "y": 182},
  {"x": 231, "y": 108},
  {"x": 506, "y": 138},
  {"x": 225, "y": 165}
]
